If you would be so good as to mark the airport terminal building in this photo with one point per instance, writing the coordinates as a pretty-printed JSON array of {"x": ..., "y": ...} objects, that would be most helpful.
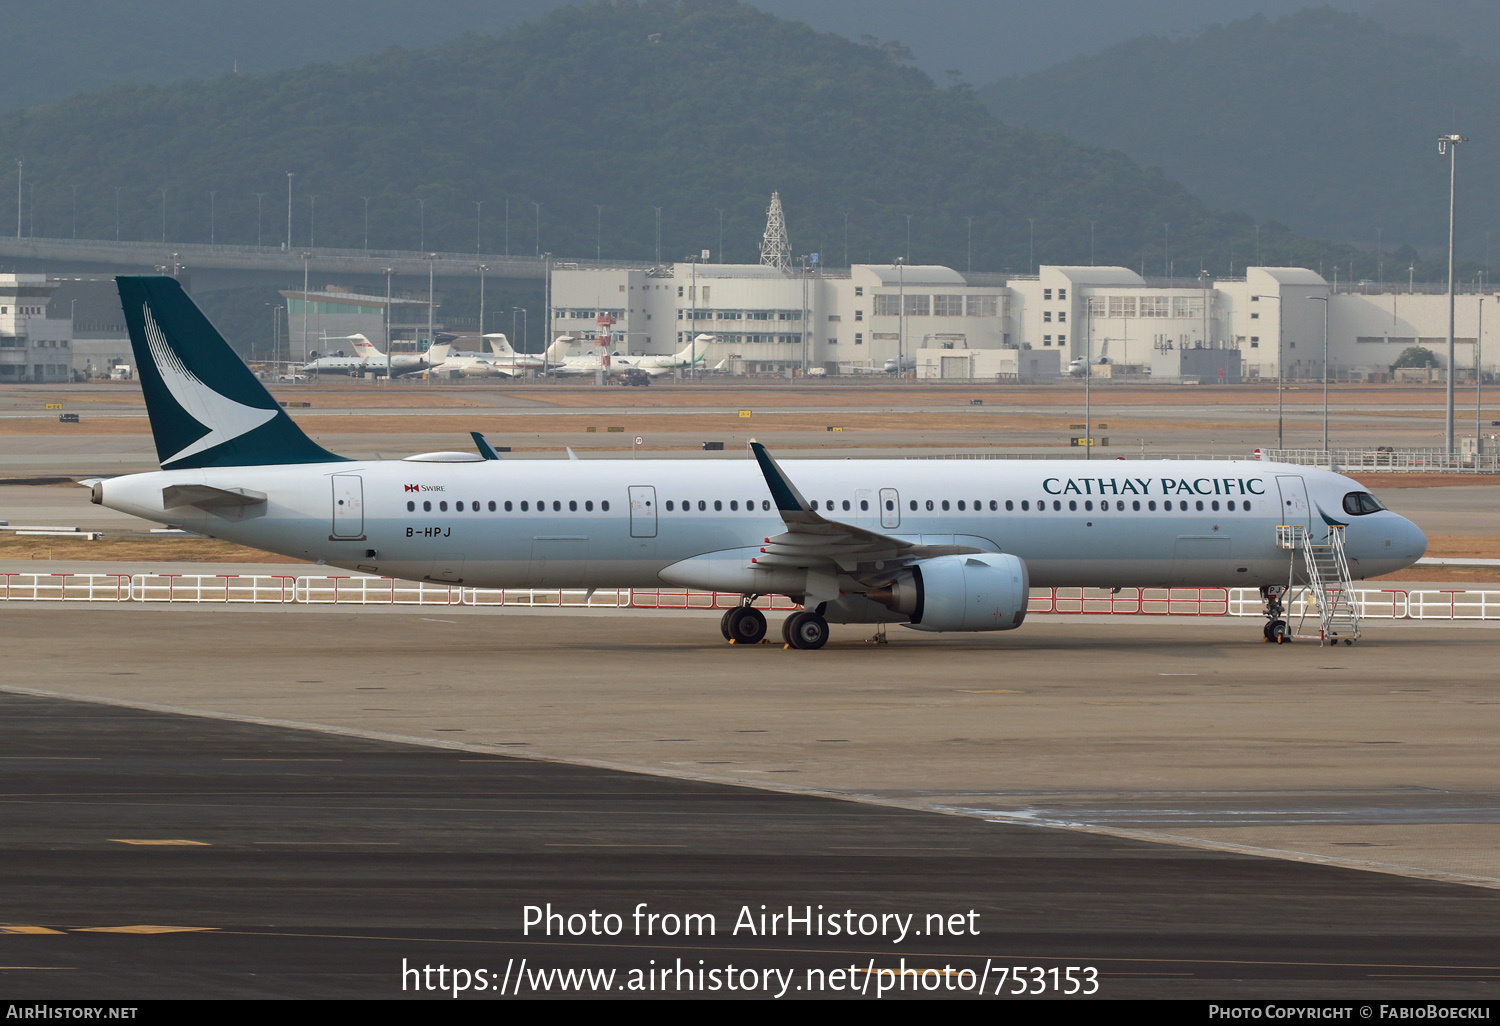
[{"x": 946, "y": 324}]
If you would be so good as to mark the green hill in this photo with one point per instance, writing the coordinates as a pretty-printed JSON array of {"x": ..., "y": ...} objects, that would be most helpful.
[
  {"x": 690, "y": 106},
  {"x": 1326, "y": 121}
]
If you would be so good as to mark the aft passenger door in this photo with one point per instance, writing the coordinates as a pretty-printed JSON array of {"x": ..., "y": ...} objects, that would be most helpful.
[
  {"x": 890, "y": 508},
  {"x": 642, "y": 511},
  {"x": 348, "y": 507}
]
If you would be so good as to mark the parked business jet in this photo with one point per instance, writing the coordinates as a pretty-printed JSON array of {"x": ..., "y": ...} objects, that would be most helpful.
[
  {"x": 366, "y": 358},
  {"x": 501, "y": 361},
  {"x": 590, "y": 363},
  {"x": 932, "y": 544}
]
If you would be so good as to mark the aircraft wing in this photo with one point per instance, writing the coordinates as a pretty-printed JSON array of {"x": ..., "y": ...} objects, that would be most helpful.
[{"x": 813, "y": 540}]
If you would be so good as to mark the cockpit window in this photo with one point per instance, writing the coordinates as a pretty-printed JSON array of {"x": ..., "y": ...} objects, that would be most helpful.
[{"x": 1357, "y": 504}]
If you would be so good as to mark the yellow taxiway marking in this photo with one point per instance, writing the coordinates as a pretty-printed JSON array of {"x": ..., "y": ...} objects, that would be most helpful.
[
  {"x": 27, "y": 929},
  {"x": 163, "y": 841},
  {"x": 145, "y": 929}
]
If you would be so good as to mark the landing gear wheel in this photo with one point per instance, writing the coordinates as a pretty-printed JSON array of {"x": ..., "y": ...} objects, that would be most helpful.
[
  {"x": 745, "y": 625},
  {"x": 724, "y": 625},
  {"x": 1278, "y": 632},
  {"x": 806, "y": 631},
  {"x": 786, "y": 630}
]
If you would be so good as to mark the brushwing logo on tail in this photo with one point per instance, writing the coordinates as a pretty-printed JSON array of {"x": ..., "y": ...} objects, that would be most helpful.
[{"x": 225, "y": 418}]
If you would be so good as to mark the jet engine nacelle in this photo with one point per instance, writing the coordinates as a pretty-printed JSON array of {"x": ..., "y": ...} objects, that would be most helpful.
[{"x": 987, "y": 591}]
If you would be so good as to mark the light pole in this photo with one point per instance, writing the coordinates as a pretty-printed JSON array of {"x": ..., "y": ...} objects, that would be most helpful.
[
  {"x": 1324, "y": 301},
  {"x": 431, "y": 263},
  {"x": 1203, "y": 279},
  {"x": 388, "y": 272},
  {"x": 1088, "y": 373},
  {"x": 900, "y": 317},
  {"x": 1449, "y": 144},
  {"x": 482, "y": 269},
  {"x": 525, "y": 330},
  {"x": 546, "y": 314},
  {"x": 306, "y": 257},
  {"x": 1280, "y": 372},
  {"x": 1478, "y": 385}
]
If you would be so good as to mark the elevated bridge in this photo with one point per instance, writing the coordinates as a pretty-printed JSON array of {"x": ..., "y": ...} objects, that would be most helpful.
[{"x": 220, "y": 267}]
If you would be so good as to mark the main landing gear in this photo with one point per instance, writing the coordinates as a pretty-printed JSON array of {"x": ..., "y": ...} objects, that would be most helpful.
[
  {"x": 806, "y": 630},
  {"x": 743, "y": 625},
  {"x": 1276, "y": 629},
  {"x": 746, "y": 625}
]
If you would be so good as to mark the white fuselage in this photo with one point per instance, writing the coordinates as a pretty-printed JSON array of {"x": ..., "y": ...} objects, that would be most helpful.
[
  {"x": 629, "y": 523},
  {"x": 365, "y": 364},
  {"x": 485, "y": 366}
]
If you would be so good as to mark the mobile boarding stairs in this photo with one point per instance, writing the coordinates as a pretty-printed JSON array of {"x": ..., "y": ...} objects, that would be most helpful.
[{"x": 1317, "y": 582}]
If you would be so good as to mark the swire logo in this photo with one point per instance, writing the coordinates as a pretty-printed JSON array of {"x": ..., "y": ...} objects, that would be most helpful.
[{"x": 414, "y": 488}]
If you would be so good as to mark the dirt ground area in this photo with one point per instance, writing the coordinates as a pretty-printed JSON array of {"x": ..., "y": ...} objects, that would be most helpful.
[{"x": 134, "y": 549}]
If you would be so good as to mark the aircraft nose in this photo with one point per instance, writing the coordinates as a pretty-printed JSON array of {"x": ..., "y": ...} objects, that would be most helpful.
[{"x": 1413, "y": 540}]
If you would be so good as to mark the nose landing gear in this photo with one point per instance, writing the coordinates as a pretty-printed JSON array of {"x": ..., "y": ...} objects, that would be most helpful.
[{"x": 1276, "y": 630}]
